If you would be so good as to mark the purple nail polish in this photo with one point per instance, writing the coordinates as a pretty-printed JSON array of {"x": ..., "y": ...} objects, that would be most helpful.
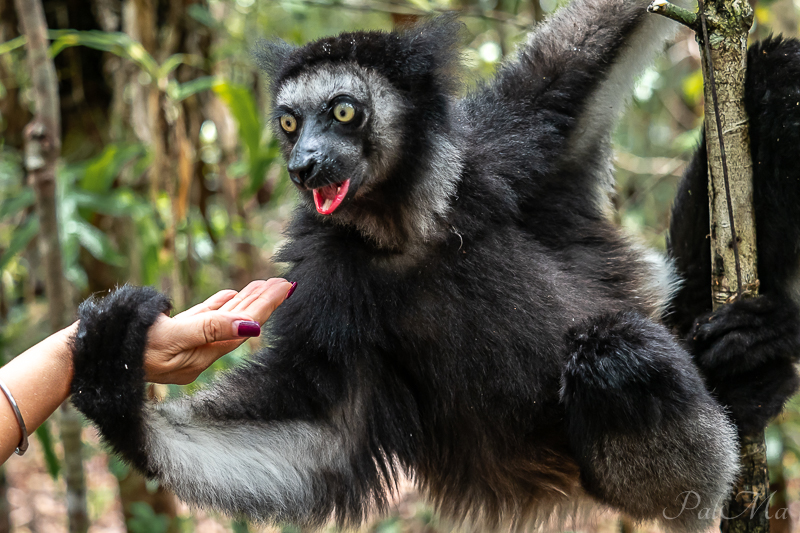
[
  {"x": 248, "y": 328},
  {"x": 291, "y": 290}
]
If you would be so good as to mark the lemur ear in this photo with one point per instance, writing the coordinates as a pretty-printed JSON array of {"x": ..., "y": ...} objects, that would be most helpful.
[{"x": 271, "y": 55}]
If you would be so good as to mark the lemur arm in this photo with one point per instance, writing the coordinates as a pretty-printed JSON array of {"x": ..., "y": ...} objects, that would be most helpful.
[
  {"x": 553, "y": 107},
  {"x": 256, "y": 443}
]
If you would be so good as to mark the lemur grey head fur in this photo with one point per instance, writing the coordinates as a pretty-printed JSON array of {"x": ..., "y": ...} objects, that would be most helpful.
[{"x": 365, "y": 122}]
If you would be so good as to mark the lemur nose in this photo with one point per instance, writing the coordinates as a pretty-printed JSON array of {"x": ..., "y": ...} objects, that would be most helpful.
[{"x": 301, "y": 168}]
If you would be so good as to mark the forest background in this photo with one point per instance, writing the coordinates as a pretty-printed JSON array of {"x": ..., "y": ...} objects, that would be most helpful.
[{"x": 169, "y": 176}]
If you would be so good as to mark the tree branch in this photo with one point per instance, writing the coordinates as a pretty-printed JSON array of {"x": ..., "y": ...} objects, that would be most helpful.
[{"x": 674, "y": 12}]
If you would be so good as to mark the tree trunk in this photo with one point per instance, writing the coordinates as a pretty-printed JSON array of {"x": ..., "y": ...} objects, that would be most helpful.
[
  {"x": 722, "y": 27},
  {"x": 733, "y": 221},
  {"x": 42, "y": 148}
]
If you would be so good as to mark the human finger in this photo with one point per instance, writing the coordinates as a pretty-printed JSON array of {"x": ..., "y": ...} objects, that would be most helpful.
[
  {"x": 253, "y": 290},
  {"x": 212, "y": 326},
  {"x": 261, "y": 305},
  {"x": 214, "y": 302}
]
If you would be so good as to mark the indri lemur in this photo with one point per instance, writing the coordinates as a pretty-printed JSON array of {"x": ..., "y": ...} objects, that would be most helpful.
[{"x": 466, "y": 314}]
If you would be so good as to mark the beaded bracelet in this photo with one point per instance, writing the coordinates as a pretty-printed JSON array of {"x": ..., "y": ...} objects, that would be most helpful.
[{"x": 23, "y": 443}]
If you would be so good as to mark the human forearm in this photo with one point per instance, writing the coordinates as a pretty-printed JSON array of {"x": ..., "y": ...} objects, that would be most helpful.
[
  {"x": 177, "y": 350},
  {"x": 39, "y": 380}
]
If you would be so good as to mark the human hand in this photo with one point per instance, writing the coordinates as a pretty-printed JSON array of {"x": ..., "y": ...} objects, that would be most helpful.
[{"x": 180, "y": 348}]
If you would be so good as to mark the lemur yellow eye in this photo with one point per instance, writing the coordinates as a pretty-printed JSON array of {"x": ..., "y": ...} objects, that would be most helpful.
[
  {"x": 288, "y": 123},
  {"x": 344, "y": 112}
]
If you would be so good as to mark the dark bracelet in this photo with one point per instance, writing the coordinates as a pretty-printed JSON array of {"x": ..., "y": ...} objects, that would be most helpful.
[{"x": 22, "y": 447}]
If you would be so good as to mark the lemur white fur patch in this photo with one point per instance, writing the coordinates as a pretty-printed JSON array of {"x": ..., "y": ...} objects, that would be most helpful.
[
  {"x": 663, "y": 281},
  {"x": 261, "y": 469}
]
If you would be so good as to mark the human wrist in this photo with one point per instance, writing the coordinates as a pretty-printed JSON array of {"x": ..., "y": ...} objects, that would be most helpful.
[{"x": 62, "y": 348}]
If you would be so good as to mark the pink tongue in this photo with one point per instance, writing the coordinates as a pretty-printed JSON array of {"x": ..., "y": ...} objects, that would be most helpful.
[
  {"x": 328, "y": 198},
  {"x": 328, "y": 192}
]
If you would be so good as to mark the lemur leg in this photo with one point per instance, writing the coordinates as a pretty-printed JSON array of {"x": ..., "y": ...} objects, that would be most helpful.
[
  {"x": 644, "y": 430},
  {"x": 257, "y": 443},
  {"x": 746, "y": 351}
]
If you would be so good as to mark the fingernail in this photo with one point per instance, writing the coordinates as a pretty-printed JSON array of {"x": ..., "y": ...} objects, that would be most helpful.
[
  {"x": 247, "y": 328},
  {"x": 291, "y": 290}
]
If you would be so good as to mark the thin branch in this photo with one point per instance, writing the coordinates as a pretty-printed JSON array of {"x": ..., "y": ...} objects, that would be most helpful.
[{"x": 674, "y": 12}]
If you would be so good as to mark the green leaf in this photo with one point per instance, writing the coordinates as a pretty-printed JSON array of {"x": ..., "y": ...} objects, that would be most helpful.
[
  {"x": 422, "y": 4},
  {"x": 259, "y": 166},
  {"x": 172, "y": 62},
  {"x": 693, "y": 86},
  {"x": 202, "y": 15},
  {"x": 50, "y": 457},
  {"x": 97, "y": 243},
  {"x": 240, "y": 101},
  {"x": 151, "y": 237},
  {"x": 242, "y": 105},
  {"x": 20, "y": 240},
  {"x": 117, "y": 43},
  {"x": 145, "y": 520},
  {"x": 117, "y": 467},
  {"x": 103, "y": 170},
  {"x": 13, "y": 44},
  {"x": 183, "y": 91},
  {"x": 118, "y": 203},
  {"x": 15, "y": 204},
  {"x": 240, "y": 526}
]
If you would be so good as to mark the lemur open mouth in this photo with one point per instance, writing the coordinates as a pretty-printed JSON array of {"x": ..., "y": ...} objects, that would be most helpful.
[{"x": 328, "y": 198}]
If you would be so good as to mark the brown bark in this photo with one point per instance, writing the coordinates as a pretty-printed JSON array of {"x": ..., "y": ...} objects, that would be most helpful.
[
  {"x": 15, "y": 116},
  {"x": 722, "y": 28},
  {"x": 729, "y": 56},
  {"x": 42, "y": 149},
  {"x": 733, "y": 231}
]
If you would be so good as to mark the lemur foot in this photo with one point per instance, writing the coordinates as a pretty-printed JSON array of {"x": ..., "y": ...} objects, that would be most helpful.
[{"x": 746, "y": 351}]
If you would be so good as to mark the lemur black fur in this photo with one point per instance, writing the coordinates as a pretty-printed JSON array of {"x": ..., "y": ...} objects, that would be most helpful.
[{"x": 468, "y": 315}]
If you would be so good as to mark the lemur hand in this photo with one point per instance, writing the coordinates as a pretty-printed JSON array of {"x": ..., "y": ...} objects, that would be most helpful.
[
  {"x": 747, "y": 351},
  {"x": 180, "y": 348}
]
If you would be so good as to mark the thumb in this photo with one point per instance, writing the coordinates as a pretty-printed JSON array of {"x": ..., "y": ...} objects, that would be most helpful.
[{"x": 214, "y": 326}]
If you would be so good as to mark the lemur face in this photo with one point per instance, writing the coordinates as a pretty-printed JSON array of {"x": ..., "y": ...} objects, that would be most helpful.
[{"x": 339, "y": 126}]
